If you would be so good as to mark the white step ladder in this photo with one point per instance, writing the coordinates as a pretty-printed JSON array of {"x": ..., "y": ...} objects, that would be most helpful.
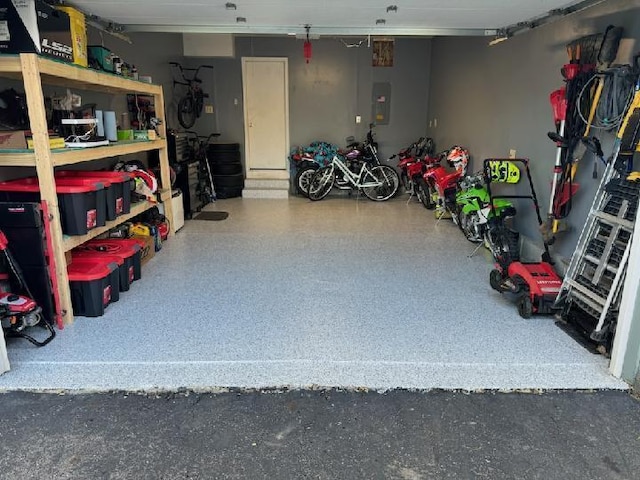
[{"x": 595, "y": 276}]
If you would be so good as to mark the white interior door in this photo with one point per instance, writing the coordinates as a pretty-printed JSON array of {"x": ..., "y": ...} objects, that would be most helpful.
[{"x": 266, "y": 116}]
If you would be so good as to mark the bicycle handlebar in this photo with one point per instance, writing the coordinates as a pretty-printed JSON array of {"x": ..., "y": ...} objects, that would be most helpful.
[
  {"x": 198, "y": 138},
  {"x": 187, "y": 69}
]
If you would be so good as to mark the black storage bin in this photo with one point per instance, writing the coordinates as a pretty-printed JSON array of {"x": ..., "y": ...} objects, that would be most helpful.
[
  {"x": 128, "y": 249},
  {"x": 82, "y": 205},
  {"x": 118, "y": 190},
  {"x": 94, "y": 285}
]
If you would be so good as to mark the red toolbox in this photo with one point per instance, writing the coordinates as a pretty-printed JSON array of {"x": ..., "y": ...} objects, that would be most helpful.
[
  {"x": 93, "y": 284},
  {"x": 82, "y": 205},
  {"x": 129, "y": 249},
  {"x": 118, "y": 192}
]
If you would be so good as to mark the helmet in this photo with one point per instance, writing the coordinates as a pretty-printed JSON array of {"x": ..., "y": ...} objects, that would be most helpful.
[
  {"x": 458, "y": 158},
  {"x": 145, "y": 183}
]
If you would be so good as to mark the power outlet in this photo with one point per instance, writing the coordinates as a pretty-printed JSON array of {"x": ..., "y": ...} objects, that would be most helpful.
[
  {"x": 358, "y": 119},
  {"x": 512, "y": 153},
  {"x": 208, "y": 109}
]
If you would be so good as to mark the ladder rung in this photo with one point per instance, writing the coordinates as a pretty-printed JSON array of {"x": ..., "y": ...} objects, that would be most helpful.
[
  {"x": 584, "y": 302},
  {"x": 613, "y": 220},
  {"x": 596, "y": 261},
  {"x": 591, "y": 297}
]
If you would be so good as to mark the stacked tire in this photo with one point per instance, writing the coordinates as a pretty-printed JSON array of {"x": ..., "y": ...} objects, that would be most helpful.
[{"x": 226, "y": 167}]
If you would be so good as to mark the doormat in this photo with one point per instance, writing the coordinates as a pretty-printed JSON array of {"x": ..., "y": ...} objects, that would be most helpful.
[{"x": 212, "y": 216}]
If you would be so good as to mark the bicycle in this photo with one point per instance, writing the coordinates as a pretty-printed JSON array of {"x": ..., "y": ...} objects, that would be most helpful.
[
  {"x": 199, "y": 144},
  {"x": 378, "y": 183},
  {"x": 191, "y": 104}
]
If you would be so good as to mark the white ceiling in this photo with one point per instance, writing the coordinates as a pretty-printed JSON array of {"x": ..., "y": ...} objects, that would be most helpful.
[{"x": 326, "y": 17}]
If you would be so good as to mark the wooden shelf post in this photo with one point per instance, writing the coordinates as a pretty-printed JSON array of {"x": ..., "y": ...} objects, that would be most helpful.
[
  {"x": 44, "y": 169},
  {"x": 165, "y": 175}
]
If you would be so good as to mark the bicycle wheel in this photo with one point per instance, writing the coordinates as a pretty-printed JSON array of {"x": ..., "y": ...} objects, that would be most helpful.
[
  {"x": 198, "y": 103},
  {"x": 380, "y": 183},
  {"x": 186, "y": 112},
  {"x": 303, "y": 179},
  {"x": 321, "y": 183}
]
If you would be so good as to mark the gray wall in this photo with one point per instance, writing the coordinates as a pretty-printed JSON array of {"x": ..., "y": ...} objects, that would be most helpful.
[
  {"x": 151, "y": 54},
  {"x": 325, "y": 95},
  {"x": 493, "y": 99}
]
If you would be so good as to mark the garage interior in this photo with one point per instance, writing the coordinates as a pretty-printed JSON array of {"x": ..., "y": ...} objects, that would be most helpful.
[{"x": 346, "y": 292}]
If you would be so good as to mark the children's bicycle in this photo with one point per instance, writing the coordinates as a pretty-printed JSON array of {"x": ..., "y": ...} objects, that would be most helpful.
[
  {"x": 378, "y": 183},
  {"x": 191, "y": 104}
]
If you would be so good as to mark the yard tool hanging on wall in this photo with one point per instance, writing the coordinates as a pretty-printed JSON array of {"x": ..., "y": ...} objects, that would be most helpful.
[{"x": 586, "y": 56}]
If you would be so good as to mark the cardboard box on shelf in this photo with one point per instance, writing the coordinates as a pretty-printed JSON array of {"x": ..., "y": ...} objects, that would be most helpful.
[
  {"x": 147, "y": 249},
  {"x": 54, "y": 142},
  {"x": 13, "y": 139},
  {"x": 144, "y": 135},
  {"x": 78, "y": 35},
  {"x": 33, "y": 26}
]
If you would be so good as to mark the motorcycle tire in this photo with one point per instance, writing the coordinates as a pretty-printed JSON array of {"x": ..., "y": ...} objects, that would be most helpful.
[
  {"x": 228, "y": 192},
  {"x": 504, "y": 244},
  {"x": 321, "y": 183},
  {"x": 464, "y": 222},
  {"x": 214, "y": 148},
  {"x": 187, "y": 112},
  {"x": 303, "y": 179},
  {"x": 222, "y": 157},
  {"x": 390, "y": 183},
  {"x": 495, "y": 279},
  {"x": 404, "y": 179},
  {"x": 229, "y": 181},
  {"x": 426, "y": 195},
  {"x": 226, "y": 169}
]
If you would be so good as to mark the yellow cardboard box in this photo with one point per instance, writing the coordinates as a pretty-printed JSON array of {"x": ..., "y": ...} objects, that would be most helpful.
[{"x": 78, "y": 35}]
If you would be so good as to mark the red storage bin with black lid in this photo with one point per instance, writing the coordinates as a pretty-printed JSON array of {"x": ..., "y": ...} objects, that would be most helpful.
[
  {"x": 101, "y": 194},
  {"x": 128, "y": 249},
  {"x": 118, "y": 192},
  {"x": 82, "y": 205},
  {"x": 93, "y": 284},
  {"x": 125, "y": 272}
]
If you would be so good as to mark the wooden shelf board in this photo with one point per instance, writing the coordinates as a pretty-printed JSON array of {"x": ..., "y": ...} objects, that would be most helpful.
[
  {"x": 69, "y": 156},
  {"x": 71, "y": 242},
  {"x": 17, "y": 158},
  {"x": 78, "y": 155},
  {"x": 54, "y": 72}
]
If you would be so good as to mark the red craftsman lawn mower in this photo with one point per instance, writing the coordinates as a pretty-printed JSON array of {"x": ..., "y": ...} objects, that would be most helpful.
[
  {"x": 19, "y": 312},
  {"x": 535, "y": 284}
]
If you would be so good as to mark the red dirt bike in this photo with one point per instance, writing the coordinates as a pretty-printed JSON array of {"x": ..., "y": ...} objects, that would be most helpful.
[
  {"x": 411, "y": 165},
  {"x": 439, "y": 185}
]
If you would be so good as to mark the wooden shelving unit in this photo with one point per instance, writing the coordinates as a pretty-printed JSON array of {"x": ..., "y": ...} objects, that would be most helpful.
[
  {"x": 36, "y": 71},
  {"x": 72, "y": 241}
]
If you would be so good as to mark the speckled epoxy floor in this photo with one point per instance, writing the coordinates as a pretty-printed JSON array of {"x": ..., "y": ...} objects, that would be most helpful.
[{"x": 343, "y": 292}]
